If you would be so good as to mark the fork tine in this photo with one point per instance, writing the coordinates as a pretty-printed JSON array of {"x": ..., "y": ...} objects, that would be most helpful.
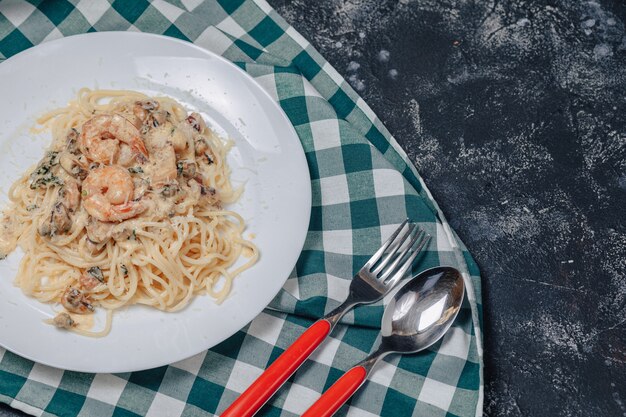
[
  {"x": 391, "y": 282},
  {"x": 393, "y": 250},
  {"x": 376, "y": 256},
  {"x": 404, "y": 261},
  {"x": 407, "y": 265},
  {"x": 401, "y": 257}
]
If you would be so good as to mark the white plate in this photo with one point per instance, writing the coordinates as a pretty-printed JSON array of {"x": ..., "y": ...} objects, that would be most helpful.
[{"x": 268, "y": 156}]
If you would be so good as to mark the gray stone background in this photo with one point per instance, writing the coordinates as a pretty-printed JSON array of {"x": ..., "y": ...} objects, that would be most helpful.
[{"x": 514, "y": 113}]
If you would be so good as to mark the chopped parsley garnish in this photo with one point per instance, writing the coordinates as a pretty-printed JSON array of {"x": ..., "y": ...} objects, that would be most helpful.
[
  {"x": 43, "y": 177},
  {"x": 45, "y": 181}
]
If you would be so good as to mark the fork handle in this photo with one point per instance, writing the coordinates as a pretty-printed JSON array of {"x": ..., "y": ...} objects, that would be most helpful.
[
  {"x": 279, "y": 371},
  {"x": 338, "y": 393}
]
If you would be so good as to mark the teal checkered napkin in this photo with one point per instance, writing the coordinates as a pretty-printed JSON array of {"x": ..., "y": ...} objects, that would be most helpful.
[{"x": 363, "y": 186}]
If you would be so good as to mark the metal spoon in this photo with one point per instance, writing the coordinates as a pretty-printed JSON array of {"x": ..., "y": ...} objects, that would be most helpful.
[{"x": 420, "y": 313}]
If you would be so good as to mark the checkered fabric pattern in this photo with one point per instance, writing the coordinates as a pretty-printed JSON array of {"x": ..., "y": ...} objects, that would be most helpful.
[{"x": 363, "y": 186}]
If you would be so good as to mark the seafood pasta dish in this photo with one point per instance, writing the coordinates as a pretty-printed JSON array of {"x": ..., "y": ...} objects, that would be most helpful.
[{"x": 127, "y": 206}]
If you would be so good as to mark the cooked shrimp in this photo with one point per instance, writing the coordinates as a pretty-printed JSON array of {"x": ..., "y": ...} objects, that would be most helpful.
[
  {"x": 107, "y": 194},
  {"x": 101, "y": 137}
]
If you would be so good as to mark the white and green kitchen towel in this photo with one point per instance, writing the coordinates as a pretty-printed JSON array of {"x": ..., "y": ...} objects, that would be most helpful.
[{"x": 363, "y": 185}]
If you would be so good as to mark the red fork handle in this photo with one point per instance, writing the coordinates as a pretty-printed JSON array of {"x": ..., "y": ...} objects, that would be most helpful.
[
  {"x": 338, "y": 394},
  {"x": 278, "y": 372}
]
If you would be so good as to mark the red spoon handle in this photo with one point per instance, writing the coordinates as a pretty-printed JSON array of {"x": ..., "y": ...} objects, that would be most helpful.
[
  {"x": 278, "y": 372},
  {"x": 338, "y": 394}
]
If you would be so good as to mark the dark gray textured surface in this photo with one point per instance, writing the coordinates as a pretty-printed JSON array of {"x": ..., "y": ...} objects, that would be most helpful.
[{"x": 515, "y": 115}]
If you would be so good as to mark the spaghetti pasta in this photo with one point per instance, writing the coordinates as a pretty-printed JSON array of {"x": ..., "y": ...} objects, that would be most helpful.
[{"x": 126, "y": 207}]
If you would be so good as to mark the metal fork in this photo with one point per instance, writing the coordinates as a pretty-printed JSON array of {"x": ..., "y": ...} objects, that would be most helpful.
[{"x": 375, "y": 279}]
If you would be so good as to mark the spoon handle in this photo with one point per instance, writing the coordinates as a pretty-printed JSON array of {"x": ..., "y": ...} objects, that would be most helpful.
[
  {"x": 279, "y": 371},
  {"x": 338, "y": 394}
]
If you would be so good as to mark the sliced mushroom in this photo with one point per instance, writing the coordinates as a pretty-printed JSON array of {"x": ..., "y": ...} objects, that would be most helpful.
[
  {"x": 75, "y": 301},
  {"x": 98, "y": 232},
  {"x": 63, "y": 321},
  {"x": 72, "y": 140},
  {"x": 196, "y": 121},
  {"x": 75, "y": 165},
  {"x": 57, "y": 221}
]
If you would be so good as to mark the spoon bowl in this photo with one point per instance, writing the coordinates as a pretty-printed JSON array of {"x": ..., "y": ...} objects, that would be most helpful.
[{"x": 422, "y": 310}]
